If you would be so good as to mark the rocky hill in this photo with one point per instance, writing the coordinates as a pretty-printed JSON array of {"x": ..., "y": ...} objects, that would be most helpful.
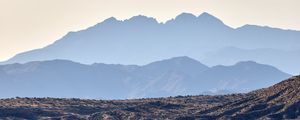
[{"x": 281, "y": 101}]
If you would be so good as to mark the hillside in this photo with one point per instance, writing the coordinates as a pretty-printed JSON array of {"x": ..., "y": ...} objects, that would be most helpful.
[
  {"x": 169, "y": 77},
  {"x": 280, "y": 101}
]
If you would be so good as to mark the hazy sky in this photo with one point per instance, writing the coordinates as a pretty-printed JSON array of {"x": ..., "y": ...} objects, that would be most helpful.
[{"x": 31, "y": 24}]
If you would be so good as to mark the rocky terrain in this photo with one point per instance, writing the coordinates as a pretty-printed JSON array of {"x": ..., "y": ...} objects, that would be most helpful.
[{"x": 280, "y": 101}]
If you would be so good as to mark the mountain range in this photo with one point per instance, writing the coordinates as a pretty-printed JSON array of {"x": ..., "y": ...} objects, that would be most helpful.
[
  {"x": 141, "y": 40},
  {"x": 170, "y": 77}
]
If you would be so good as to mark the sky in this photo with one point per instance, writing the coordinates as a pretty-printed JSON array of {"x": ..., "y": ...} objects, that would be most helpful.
[{"x": 32, "y": 24}]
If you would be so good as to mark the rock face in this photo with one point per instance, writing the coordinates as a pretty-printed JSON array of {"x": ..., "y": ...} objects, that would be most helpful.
[{"x": 281, "y": 101}]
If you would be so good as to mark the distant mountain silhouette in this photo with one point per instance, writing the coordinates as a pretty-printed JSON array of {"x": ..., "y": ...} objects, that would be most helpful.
[
  {"x": 141, "y": 39},
  {"x": 175, "y": 76},
  {"x": 246, "y": 74},
  {"x": 283, "y": 59}
]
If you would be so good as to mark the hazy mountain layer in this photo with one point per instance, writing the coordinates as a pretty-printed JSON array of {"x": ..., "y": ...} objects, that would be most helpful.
[
  {"x": 175, "y": 76},
  {"x": 282, "y": 59},
  {"x": 140, "y": 40}
]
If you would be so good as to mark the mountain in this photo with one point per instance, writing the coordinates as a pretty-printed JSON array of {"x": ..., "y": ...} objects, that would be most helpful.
[
  {"x": 283, "y": 59},
  {"x": 60, "y": 78},
  {"x": 127, "y": 41},
  {"x": 166, "y": 77},
  {"x": 170, "y": 77},
  {"x": 246, "y": 74},
  {"x": 280, "y": 101}
]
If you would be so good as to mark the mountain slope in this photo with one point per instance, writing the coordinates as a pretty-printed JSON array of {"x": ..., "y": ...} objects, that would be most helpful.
[
  {"x": 171, "y": 77},
  {"x": 283, "y": 59},
  {"x": 280, "y": 101},
  {"x": 243, "y": 75},
  {"x": 60, "y": 78},
  {"x": 168, "y": 77},
  {"x": 126, "y": 42}
]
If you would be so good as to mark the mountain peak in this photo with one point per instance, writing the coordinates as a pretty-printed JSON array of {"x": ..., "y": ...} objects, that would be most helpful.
[
  {"x": 182, "y": 58},
  {"x": 206, "y": 17},
  {"x": 179, "y": 59},
  {"x": 205, "y": 20},
  {"x": 182, "y": 61},
  {"x": 110, "y": 20},
  {"x": 186, "y": 15},
  {"x": 183, "y": 17},
  {"x": 246, "y": 63},
  {"x": 205, "y": 14},
  {"x": 251, "y": 65},
  {"x": 142, "y": 19}
]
